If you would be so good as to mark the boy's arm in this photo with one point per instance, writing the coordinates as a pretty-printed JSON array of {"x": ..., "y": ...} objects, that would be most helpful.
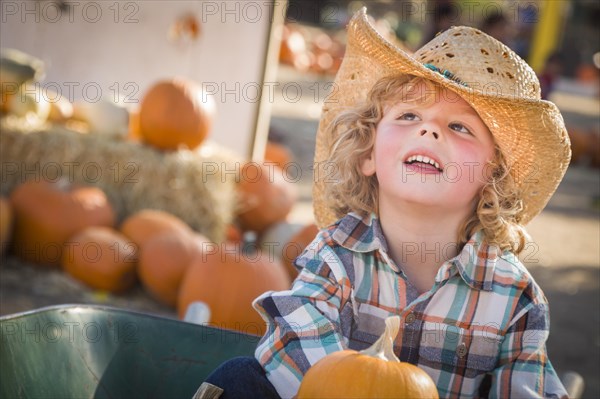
[
  {"x": 303, "y": 322},
  {"x": 525, "y": 370}
]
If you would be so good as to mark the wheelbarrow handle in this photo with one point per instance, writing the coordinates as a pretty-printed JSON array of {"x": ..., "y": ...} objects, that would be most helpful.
[{"x": 573, "y": 383}]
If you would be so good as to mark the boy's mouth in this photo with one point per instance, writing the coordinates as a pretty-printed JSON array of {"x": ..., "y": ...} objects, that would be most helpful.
[{"x": 423, "y": 163}]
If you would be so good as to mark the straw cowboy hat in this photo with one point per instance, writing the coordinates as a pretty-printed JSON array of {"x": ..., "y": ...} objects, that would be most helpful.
[{"x": 495, "y": 81}]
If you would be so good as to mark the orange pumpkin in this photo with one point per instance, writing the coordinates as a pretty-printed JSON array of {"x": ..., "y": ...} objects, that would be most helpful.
[
  {"x": 176, "y": 113},
  {"x": 587, "y": 73},
  {"x": 6, "y": 222},
  {"x": 102, "y": 258},
  {"x": 48, "y": 213},
  {"x": 227, "y": 280},
  {"x": 164, "y": 260},
  {"x": 266, "y": 197},
  {"x": 375, "y": 372},
  {"x": 278, "y": 154},
  {"x": 145, "y": 224}
]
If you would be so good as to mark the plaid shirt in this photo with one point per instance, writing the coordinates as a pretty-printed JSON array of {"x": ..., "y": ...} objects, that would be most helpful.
[{"x": 484, "y": 316}]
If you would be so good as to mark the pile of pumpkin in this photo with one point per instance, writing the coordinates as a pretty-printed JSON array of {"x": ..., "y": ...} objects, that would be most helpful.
[
  {"x": 63, "y": 224},
  {"x": 315, "y": 50},
  {"x": 58, "y": 224},
  {"x": 310, "y": 50}
]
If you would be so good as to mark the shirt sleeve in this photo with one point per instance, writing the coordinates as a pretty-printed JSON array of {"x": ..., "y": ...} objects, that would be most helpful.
[
  {"x": 303, "y": 322},
  {"x": 524, "y": 368}
]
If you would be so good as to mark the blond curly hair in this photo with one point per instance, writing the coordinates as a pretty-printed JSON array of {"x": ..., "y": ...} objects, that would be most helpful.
[{"x": 498, "y": 209}]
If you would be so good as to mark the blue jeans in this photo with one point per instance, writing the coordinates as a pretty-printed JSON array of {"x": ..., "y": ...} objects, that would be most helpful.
[{"x": 242, "y": 378}]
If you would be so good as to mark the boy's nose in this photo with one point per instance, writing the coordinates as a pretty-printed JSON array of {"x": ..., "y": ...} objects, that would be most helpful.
[{"x": 435, "y": 134}]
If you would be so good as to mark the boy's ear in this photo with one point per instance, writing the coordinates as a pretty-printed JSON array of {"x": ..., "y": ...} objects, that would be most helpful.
[{"x": 367, "y": 166}]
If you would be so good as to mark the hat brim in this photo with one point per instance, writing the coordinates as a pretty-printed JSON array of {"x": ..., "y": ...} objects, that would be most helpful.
[{"x": 530, "y": 132}]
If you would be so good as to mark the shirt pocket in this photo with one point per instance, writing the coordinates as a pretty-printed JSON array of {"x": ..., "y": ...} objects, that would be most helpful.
[{"x": 469, "y": 352}]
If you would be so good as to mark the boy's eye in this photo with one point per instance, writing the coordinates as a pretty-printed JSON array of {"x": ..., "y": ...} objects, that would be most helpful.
[
  {"x": 459, "y": 128},
  {"x": 408, "y": 116}
]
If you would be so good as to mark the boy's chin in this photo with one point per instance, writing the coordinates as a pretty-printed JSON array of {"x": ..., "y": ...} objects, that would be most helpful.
[{"x": 434, "y": 196}]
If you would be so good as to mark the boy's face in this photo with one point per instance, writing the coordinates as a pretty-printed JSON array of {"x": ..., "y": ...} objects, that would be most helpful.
[{"x": 434, "y": 153}]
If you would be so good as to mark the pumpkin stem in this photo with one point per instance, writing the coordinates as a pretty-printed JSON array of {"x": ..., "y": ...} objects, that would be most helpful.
[{"x": 383, "y": 348}]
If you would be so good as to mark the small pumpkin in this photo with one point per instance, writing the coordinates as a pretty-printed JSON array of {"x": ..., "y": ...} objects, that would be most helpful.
[
  {"x": 143, "y": 225},
  {"x": 266, "y": 197},
  {"x": 47, "y": 213},
  {"x": 102, "y": 258},
  {"x": 163, "y": 261},
  {"x": 6, "y": 223},
  {"x": 277, "y": 153},
  {"x": 587, "y": 73},
  {"x": 228, "y": 280},
  {"x": 176, "y": 113},
  {"x": 375, "y": 372}
]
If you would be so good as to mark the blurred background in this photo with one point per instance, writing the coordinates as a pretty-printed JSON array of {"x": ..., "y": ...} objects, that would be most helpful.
[{"x": 262, "y": 71}]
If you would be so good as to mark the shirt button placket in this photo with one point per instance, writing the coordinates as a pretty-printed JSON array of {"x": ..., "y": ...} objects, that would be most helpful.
[{"x": 411, "y": 337}]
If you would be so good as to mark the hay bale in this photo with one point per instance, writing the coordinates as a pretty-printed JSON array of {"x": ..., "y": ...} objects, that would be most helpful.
[{"x": 188, "y": 184}]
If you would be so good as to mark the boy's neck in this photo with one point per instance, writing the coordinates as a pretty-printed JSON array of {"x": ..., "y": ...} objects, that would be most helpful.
[{"x": 420, "y": 239}]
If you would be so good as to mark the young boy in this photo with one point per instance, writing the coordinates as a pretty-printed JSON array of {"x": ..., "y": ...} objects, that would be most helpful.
[{"x": 439, "y": 160}]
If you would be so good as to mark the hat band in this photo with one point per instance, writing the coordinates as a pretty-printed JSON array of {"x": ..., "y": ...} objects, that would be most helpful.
[{"x": 445, "y": 73}]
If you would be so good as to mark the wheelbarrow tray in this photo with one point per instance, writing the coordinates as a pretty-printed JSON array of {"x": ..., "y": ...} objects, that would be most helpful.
[{"x": 83, "y": 351}]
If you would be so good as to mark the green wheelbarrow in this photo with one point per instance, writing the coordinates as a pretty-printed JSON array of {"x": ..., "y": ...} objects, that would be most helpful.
[{"x": 84, "y": 351}]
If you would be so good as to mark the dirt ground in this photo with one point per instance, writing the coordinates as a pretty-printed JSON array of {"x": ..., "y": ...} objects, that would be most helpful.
[{"x": 564, "y": 257}]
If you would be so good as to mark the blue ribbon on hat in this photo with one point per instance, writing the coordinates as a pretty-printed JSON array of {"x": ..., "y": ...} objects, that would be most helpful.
[{"x": 445, "y": 73}]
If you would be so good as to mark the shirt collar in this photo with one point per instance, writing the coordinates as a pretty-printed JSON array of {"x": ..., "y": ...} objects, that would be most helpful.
[
  {"x": 475, "y": 263},
  {"x": 359, "y": 234}
]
